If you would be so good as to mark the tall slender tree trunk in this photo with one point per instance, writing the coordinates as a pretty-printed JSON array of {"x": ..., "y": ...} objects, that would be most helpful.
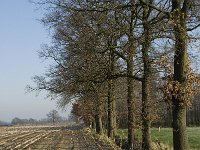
[
  {"x": 111, "y": 113},
  {"x": 179, "y": 14},
  {"x": 130, "y": 101},
  {"x": 198, "y": 121},
  {"x": 130, "y": 81},
  {"x": 146, "y": 122},
  {"x": 187, "y": 117},
  {"x": 111, "y": 99},
  {"x": 98, "y": 116}
]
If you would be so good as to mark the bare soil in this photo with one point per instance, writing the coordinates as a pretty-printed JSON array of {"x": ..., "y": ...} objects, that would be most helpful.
[{"x": 50, "y": 138}]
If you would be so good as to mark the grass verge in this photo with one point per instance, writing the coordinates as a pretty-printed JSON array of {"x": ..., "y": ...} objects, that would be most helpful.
[{"x": 165, "y": 136}]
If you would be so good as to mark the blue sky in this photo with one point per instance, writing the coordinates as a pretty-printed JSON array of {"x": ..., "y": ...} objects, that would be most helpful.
[{"x": 21, "y": 35}]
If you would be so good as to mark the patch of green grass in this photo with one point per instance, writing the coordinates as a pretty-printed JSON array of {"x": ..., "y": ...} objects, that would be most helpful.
[
  {"x": 194, "y": 137},
  {"x": 123, "y": 133},
  {"x": 165, "y": 136}
]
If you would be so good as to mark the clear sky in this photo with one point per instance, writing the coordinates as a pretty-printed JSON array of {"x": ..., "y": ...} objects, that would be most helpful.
[{"x": 21, "y": 35}]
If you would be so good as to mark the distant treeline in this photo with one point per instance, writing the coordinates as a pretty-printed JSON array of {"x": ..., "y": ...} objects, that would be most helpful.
[
  {"x": 165, "y": 116},
  {"x": 2, "y": 123},
  {"x": 192, "y": 119},
  {"x": 31, "y": 121},
  {"x": 53, "y": 117}
]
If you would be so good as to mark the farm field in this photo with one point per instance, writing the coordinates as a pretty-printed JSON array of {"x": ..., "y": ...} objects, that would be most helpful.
[
  {"x": 165, "y": 136},
  {"x": 49, "y": 137}
]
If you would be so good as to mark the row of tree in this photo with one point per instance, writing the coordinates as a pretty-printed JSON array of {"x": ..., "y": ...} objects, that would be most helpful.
[
  {"x": 53, "y": 117},
  {"x": 127, "y": 57}
]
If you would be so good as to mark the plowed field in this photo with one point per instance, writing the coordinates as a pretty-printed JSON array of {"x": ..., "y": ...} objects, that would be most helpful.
[{"x": 49, "y": 138}]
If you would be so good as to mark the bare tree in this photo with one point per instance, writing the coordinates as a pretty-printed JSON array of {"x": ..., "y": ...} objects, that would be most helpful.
[{"x": 53, "y": 116}]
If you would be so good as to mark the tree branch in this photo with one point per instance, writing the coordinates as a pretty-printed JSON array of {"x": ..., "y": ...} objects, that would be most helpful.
[
  {"x": 115, "y": 76},
  {"x": 193, "y": 28},
  {"x": 156, "y": 8}
]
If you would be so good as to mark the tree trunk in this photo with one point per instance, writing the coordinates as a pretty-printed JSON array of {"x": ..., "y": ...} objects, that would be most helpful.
[
  {"x": 187, "y": 117},
  {"x": 146, "y": 137},
  {"x": 146, "y": 122},
  {"x": 179, "y": 14},
  {"x": 99, "y": 126},
  {"x": 179, "y": 127},
  {"x": 98, "y": 115},
  {"x": 111, "y": 99},
  {"x": 111, "y": 110},
  {"x": 130, "y": 102},
  {"x": 94, "y": 124},
  {"x": 130, "y": 81}
]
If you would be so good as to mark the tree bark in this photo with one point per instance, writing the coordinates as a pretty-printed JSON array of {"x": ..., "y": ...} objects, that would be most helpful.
[
  {"x": 130, "y": 101},
  {"x": 99, "y": 126},
  {"x": 93, "y": 124},
  {"x": 111, "y": 99},
  {"x": 179, "y": 14},
  {"x": 111, "y": 110},
  {"x": 180, "y": 140},
  {"x": 146, "y": 122},
  {"x": 98, "y": 115},
  {"x": 130, "y": 81}
]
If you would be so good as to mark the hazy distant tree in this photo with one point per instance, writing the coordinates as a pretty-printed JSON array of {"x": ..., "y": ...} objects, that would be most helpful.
[
  {"x": 32, "y": 121},
  {"x": 53, "y": 116},
  {"x": 43, "y": 121},
  {"x": 16, "y": 121},
  {"x": 2, "y": 123}
]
